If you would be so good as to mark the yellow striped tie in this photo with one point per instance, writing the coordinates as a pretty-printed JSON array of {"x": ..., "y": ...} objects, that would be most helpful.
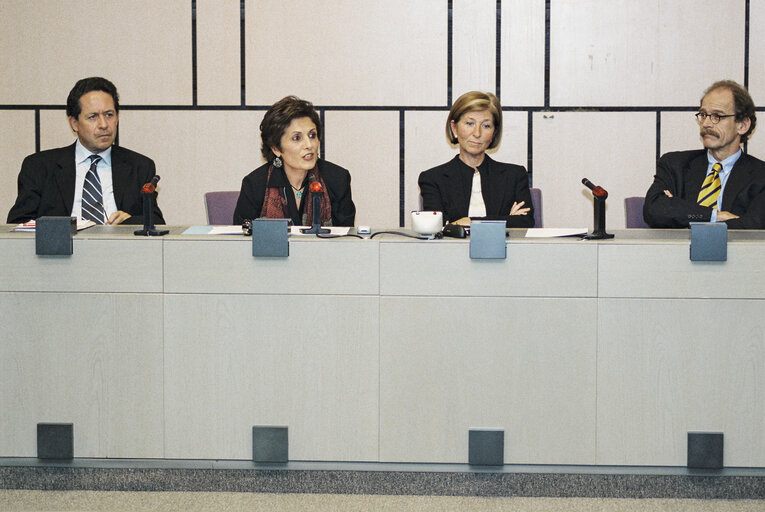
[{"x": 710, "y": 189}]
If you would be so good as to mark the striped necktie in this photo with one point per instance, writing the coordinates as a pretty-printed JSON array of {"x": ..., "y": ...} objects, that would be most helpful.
[
  {"x": 710, "y": 189},
  {"x": 92, "y": 198}
]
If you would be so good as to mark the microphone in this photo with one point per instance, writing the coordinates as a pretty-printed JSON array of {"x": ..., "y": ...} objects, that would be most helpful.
[
  {"x": 597, "y": 191},
  {"x": 151, "y": 186},
  {"x": 147, "y": 194},
  {"x": 316, "y": 193}
]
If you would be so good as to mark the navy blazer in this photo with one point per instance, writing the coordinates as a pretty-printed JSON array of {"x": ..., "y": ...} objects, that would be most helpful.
[
  {"x": 46, "y": 185},
  {"x": 682, "y": 173},
  {"x": 447, "y": 189}
]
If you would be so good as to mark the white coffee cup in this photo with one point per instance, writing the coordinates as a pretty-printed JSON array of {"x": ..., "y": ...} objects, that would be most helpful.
[{"x": 427, "y": 223}]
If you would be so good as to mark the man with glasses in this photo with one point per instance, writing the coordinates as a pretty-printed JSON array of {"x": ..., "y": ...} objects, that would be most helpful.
[{"x": 720, "y": 183}]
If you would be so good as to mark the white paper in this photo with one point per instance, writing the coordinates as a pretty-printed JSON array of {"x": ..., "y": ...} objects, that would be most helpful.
[{"x": 554, "y": 232}]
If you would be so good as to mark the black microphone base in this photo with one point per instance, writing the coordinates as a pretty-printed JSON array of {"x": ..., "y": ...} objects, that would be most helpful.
[
  {"x": 597, "y": 235},
  {"x": 314, "y": 230},
  {"x": 151, "y": 232}
]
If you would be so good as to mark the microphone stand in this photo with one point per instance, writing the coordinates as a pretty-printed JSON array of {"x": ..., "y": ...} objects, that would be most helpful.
[
  {"x": 315, "y": 229},
  {"x": 599, "y": 195},
  {"x": 147, "y": 195}
]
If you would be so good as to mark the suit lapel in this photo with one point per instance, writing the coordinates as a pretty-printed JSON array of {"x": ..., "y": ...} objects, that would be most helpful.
[
  {"x": 695, "y": 174},
  {"x": 66, "y": 174},
  {"x": 492, "y": 188},
  {"x": 122, "y": 176},
  {"x": 461, "y": 178},
  {"x": 740, "y": 177}
]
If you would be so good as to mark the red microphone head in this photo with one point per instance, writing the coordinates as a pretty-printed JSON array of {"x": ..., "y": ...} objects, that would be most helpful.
[{"x": 315, "y": 186}]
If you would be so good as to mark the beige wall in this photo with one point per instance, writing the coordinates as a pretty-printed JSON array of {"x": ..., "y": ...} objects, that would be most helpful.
[{"x": 371, "y": 66}]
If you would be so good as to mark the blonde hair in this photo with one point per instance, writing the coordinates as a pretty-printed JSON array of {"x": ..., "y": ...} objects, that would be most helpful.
[{"x": 471, "y": 102}]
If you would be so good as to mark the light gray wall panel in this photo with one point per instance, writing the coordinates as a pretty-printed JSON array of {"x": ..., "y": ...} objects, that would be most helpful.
[
  {"x": 659, "y": 379},
  {"x": 533, "y": 269},
  {"x": 679, "y": 131},
  {"x": 474, "y": 52},
  {"x": 638, "y": 53},
  {"x": 133, "y": 270},
  {"x": 103, "y": 373},
  {"x": 17, "y": 140},
  {"x": 523, "y": 52},
  {"x": 616, "y": 150},
  {"x": 375, "y": 54},
  {"x": 218, "y": 52},
  {"x": 143, "y": 46},
  {"x": 375, "y": 170},
  {"x": 306, "y": 362},
  {"x": 648, "y": 270},
  {"x": 757, "y": 51},
  {"x": 451, "y": 364},
  {"x": 222, "y": 265},
  {"x": 195, "y": 152}
]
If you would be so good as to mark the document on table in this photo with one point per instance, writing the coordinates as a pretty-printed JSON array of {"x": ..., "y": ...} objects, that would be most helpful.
[
  {"x": 554, "y": 232},
  {"x": 237, "y": 230},
  {"x": 29, "y": 226}
]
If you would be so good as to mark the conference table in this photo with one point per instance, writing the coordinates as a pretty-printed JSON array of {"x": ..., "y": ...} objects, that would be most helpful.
[{"x": 384, "y": 349}]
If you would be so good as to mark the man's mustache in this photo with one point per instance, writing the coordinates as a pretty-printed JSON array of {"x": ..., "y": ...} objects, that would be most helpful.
[{"x": 709, "y": 132}]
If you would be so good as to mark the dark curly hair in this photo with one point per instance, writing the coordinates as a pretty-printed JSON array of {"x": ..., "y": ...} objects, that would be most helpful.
[{"x": 279, "y": 117}]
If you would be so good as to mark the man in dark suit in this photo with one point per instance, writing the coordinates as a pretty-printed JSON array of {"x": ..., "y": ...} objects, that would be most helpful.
[
  {"x": 719, "y": 183},
  {"x": 91, "y": 179}
]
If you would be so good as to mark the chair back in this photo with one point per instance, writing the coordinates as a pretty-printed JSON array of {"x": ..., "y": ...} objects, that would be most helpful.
[
  {"x": 220, "y": 207},
  {"x": 536, "y": 202},
  {"x": 633, "y": 213}
]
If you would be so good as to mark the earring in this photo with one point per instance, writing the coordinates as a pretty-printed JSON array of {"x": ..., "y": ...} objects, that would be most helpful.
[{"x": 277, "y": 162}]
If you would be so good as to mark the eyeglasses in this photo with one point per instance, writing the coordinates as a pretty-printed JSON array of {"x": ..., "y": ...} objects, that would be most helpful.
[{"x": 715, "y": 118}]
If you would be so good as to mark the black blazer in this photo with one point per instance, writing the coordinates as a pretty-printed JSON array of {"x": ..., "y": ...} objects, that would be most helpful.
[
  {"x": 683, "y": 172},
  {"x": 337, "y": 180},
  {"x": 46, "y": 185},
  {"x": 447, "y": 188}
]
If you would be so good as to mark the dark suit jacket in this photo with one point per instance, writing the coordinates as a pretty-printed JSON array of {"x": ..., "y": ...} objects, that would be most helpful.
[
  {"x": 46, "y": 185},
  {"x": 337, "y": 180},
  {"x": 682, "y": 173},
  {"x": 447, "y": 188}
]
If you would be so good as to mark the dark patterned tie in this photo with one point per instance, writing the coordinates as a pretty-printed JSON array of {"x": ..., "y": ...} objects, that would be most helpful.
[{"x": 92, "y": 197}]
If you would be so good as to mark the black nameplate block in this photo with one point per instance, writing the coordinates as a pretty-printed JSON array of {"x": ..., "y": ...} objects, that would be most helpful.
[
  {"x": 269, "y": 238},
  {"x": 709, "y": 241},
  {"x": 53, "y": 236}
]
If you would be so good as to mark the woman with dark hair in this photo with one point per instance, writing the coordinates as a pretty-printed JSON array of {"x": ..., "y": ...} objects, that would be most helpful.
[
  {"x": 472, "y": 185},
  {"x": 290, "y": 134}
]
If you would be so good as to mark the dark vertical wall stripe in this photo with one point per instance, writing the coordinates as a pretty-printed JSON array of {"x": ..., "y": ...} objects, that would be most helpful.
[
  {"x": 498, "y": 79},
  {"x": 401, "y": 168},
  {"x": 547, "y": 53},
  {"x": 530, "y": 146},
  {"x": 746, "y": 46},
  {"x": 658, "y": 134},
  {"x": 241, "y": 51},
  {"x": 194, "y": 52},
  {"x": 37, "y": 130},
  {"x": 322, "y": 147},
  {"x": 448, "y": 57}
]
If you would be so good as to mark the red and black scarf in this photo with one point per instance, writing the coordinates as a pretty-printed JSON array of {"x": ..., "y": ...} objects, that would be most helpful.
[{"x": 275, "y": 201}]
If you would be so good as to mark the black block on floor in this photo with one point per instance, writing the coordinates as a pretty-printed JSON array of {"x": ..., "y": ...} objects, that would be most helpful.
[
  {"x": 55, "y": 440},
  {"x": 486, "y": 447},
  {"x": 270, "y": 444},
  {"x": 705, "y": 450}
]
